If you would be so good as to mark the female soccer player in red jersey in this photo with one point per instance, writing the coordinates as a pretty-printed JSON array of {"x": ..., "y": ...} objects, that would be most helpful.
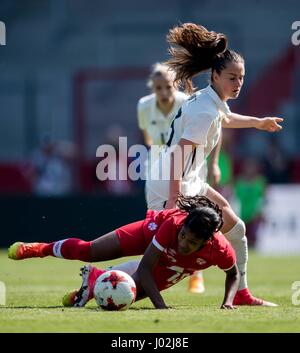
[{"x": 175, "y": 244}]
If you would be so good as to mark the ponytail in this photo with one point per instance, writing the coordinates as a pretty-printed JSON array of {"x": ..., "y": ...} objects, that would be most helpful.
[{"x": 193, "y": 49}]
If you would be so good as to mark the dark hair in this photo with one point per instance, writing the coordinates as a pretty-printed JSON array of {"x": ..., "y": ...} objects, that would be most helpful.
[
  {"x": 220, "y": 62},
  {"x": 204, "y": 216},
  {"x": 195, "y": 49}
]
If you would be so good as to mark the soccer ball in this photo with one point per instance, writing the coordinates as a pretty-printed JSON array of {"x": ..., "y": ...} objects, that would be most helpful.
[{"x": 114, "y": 290}]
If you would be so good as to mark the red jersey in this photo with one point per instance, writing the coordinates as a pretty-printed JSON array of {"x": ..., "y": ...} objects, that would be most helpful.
[
  {"x": 162, "y": 228},
  {"x": 172, "y": 267}
]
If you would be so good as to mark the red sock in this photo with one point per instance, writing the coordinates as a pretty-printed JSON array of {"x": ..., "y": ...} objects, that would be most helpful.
[
  {"x": 95, "y": 273},
  {"x": 72, "y": 249}
]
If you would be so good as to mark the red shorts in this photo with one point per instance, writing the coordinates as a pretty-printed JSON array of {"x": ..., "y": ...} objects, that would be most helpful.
[{"x": 132, "y": 239}]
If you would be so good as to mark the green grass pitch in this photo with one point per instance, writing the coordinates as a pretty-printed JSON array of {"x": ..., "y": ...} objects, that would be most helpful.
[{"x": 34, "y": 289}]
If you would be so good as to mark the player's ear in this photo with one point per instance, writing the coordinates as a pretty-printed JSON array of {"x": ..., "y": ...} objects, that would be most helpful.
[{"x": 215, "y": 76}]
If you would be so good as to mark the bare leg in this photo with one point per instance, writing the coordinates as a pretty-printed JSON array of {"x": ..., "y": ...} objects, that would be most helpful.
[
  {"x": 128, "y": 267},
  {"x": 229, "y": 217},
  {"x": 106, "y": 247}
]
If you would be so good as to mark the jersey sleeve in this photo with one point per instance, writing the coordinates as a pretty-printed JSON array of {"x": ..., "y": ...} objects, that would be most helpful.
[
  {"x": 163, "y": 237},
  {"x": 196, "y": 127},
  {"x": 141, "y": 116},
  {"x": 226, "y": 257}
]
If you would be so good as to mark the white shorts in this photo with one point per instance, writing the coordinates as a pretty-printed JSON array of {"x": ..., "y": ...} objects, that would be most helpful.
[
  {"x": 157, "y": 197},
  {"x": 158, "y": 181}
]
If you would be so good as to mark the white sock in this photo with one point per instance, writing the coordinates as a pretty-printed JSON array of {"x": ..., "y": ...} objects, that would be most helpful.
[
  {"x": 57, "y": 248},
  {"x": 128, "y": 267},
  {"x": 238, "y": 240}
]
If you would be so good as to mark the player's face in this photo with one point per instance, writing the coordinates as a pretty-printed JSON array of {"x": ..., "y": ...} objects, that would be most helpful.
[
  {"x": 230, "y": 81},
  {"x": 188, "y": 242},
  {"x": 164, "y": 90}
]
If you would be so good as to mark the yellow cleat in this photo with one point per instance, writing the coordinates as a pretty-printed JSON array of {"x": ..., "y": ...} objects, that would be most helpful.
[
  {"x": 68, "y": 299},
  {"x": 19, "y": 250},
  {"x": 13, "y": 250}
]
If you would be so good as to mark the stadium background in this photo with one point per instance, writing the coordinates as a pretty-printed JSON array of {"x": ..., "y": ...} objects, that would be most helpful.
[{"x": 72, "y": 73}]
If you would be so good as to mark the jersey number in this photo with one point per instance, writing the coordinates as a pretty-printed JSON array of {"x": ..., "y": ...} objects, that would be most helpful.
[{"x": 178, "y": 276}]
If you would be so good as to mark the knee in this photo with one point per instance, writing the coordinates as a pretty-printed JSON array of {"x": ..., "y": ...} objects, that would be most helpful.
[{"x": 237, "y": 232}]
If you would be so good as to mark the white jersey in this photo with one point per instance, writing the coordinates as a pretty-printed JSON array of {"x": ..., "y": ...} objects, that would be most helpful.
[
  {"x": 151, "y": 119},
  {"x": 199, "y": 120}
]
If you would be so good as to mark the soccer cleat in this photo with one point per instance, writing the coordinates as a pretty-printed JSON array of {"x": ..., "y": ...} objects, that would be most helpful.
[
  {"x": 79, "y": 298},
  {"x": 196, "y": 283},
  {"x": 244, "y": 297},
  {"x": 20, "y": 251},
  {"x": 69, "y": 298}
]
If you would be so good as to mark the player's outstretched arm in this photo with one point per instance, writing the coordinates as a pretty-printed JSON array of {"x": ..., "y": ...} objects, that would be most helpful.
[
  {"x": 144, "y": 272},
  {"x": 270, "y": 124},
  {"x": 231, "y": 286}
]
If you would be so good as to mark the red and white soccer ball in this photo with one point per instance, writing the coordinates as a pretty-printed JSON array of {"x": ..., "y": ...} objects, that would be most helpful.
[{"x": 114, "y": 290}]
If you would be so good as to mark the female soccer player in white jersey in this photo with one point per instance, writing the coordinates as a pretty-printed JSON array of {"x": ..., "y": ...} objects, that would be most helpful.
[
  {"x": 156, "y": 110},
  {"x": 155, "y": 114},
  {"x": 197, "y": 127}
]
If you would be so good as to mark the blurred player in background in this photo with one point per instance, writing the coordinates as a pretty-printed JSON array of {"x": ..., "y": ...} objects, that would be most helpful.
[
  {"x": 197, "y": 127},
  {"x": 175, "y": 243},
  {"x": 156, "y": 111},
  {"x": 155, "y": 114},
  {"x": 51, "y": 166}
]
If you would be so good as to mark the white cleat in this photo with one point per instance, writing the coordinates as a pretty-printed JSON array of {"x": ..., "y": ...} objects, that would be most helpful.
[
  {"x": 80, "y": 297},
  {"x": 265, "y": 303}
]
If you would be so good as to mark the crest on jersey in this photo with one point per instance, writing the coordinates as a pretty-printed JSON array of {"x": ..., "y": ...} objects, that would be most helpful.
[
  {"x": 152, "y": 226},
  {"x": 200, "y": 261}
]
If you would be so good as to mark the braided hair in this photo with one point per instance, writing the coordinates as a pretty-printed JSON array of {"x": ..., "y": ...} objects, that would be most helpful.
[{"x": 204, "y": 216}]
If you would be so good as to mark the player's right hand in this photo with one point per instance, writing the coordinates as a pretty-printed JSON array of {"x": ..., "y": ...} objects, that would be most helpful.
[{"x": 228, "y": 307}]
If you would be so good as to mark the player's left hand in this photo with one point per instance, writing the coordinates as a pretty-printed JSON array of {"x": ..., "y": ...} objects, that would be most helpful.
[
  {"x": 270, "y": 124},
  {"x": 228, "y": 307}
]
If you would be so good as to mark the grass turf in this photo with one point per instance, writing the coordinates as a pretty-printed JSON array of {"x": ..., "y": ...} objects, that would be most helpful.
[{"x": 34, "y": 289}]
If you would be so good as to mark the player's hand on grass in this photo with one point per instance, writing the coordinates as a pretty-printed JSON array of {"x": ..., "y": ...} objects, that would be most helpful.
[{"x": 228, "y": 307}]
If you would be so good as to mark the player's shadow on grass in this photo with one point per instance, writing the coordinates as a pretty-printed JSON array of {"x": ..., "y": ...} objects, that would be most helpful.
[
  {"x": 32, "y": 307},
  {"x": 92, "y": 308},
  {"x": 101, "y": 310}
]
